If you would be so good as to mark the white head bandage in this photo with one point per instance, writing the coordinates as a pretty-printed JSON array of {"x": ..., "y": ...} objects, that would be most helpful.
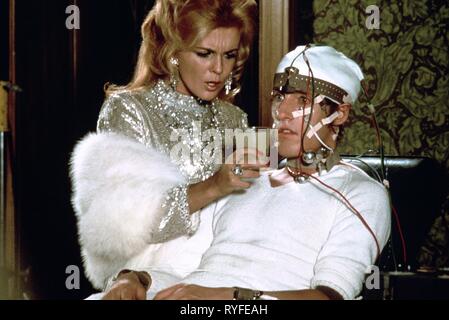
[{"x": 335, "y": 76}]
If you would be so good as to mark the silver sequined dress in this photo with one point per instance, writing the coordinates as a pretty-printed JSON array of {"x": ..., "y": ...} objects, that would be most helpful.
[{"x": 179, "y": 126}]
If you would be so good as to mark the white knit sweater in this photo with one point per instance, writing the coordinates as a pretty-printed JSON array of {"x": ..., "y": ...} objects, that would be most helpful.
[{"x": 296, "y": 236}]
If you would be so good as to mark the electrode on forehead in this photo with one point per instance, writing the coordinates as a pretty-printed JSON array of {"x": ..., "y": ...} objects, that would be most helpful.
[
  {"x": 301, "y": 113},
  {"x": 307, "y": 110}
]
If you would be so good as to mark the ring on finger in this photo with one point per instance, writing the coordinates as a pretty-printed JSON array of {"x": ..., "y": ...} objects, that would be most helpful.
[{"x": 237, "y": 170}]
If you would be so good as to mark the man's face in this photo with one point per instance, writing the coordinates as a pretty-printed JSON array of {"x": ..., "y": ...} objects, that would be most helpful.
[{"x": 292, "y": 114}]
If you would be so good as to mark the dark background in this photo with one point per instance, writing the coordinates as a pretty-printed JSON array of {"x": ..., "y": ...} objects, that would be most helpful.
[{"x": 57, "y": 107}]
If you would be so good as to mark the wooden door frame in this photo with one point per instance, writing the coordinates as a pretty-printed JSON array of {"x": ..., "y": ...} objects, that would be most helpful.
[{"x": 273, "y": 44}]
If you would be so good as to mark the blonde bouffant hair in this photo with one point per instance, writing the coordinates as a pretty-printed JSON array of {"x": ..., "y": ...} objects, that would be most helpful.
[{"x": 175, "y": 25}]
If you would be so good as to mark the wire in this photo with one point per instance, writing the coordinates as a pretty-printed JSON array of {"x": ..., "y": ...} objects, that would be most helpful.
[
  {"x": 320, "y": 140},
  {"x": 396, "y": 216},
  {"x": 378, "y": 134},
  {"x": 404, "y": 248},
  {"x": 309, "y": 120},
  {"x": 307, "y": 46},
  {"x": 306, "y": 60},
  {"x": 354, "y": 210},
  {"x": 374, "y": 171},
  {"x": 311, "y": 79},
  {"x": 384, "y": 173},
  {"x": 381, "y": 146}
]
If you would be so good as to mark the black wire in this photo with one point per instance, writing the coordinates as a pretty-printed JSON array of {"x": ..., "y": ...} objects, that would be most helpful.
[
  {"x": 374, "y": 171},
  {"x": 381, "y": 148},
  {"x": 312, "y": 103},
  {"x": 307, "y": 46},
  {"x": 382, "y": 169},
  {"x": 299, "y": 54},
  {"x": 376, "y": 125}
]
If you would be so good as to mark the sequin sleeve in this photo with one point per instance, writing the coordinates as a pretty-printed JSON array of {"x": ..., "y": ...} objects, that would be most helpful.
[
  {"x": 243, "y": 120},
  {"x": 178, "y": 221},
  {"x": 122, "y": 114}
]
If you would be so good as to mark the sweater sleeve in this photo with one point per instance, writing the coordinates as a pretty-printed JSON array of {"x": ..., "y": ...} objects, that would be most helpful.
[{"x": 351, "y": 249}]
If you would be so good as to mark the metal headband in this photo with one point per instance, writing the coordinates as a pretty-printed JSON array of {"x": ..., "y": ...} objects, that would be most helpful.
[{"x": 298, "y": 82}]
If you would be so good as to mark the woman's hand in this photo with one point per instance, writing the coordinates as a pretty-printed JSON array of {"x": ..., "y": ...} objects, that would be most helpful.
[
  {"x": 225, "y": 181},
  {"x": 250, "y": 161},
  {"x": 128, "y": 286},
  {"x": 193, "y": 292}
]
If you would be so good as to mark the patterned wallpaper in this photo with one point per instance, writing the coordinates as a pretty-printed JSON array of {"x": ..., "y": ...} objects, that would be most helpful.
[{"x": 405, "y": 63}]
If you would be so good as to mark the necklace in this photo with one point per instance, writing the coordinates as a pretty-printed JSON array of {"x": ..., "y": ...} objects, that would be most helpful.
[
  {"x": 212, "y": 107},
  {"x": 215, "y": 113}
]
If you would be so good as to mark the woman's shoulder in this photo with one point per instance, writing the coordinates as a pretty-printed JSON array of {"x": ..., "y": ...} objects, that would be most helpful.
[
  {"x": 127, "y": 95},
  {"x": 141, "y": 101},
  {"x": 228, "y": 107},
  {"x": 233, "y": 113}
]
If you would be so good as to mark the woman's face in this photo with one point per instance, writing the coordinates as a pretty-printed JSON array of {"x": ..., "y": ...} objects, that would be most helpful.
[{"x": 205, "y": 68}]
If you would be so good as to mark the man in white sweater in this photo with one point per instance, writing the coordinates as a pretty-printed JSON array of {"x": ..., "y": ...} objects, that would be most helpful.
[{"x": 307, "y": 231}]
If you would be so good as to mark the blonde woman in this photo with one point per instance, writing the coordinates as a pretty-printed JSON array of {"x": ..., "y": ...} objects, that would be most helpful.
[{"x": 140, "y": 181}]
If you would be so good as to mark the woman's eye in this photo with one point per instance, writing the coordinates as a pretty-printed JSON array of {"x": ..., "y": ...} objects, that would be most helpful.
[
  {"x": 203, "y": 54},
  {"x": 231, "y": 55}
]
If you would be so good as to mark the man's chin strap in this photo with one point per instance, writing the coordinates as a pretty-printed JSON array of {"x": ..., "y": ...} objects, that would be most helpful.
[
  {"x": 312, "y": 130},
  {"x": 324, "y": 159},
  {"x": 325, "y": 121},
  {"x": 320, "y": 161}
]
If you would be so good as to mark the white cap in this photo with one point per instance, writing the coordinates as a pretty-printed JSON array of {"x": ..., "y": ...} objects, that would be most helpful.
[{"x": 329, "y": 67}]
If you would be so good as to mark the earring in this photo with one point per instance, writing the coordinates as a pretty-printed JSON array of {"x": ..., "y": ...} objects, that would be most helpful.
[
  {"x": 174, "y": 74},
  {"x": 174, "y": 61},
  {"x": 228, "y": 84}
]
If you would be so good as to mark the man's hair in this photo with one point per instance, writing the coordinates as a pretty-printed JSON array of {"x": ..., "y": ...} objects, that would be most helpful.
[{"x": 175, "y": 25}]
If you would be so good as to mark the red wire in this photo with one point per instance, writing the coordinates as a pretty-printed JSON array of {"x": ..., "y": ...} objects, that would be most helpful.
[
  {"x": 301, "y": 152},
  {"x": 354, "y": 210},
  {"x": 378, "y": 136},
  {"x": 404, "y": 249}
]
